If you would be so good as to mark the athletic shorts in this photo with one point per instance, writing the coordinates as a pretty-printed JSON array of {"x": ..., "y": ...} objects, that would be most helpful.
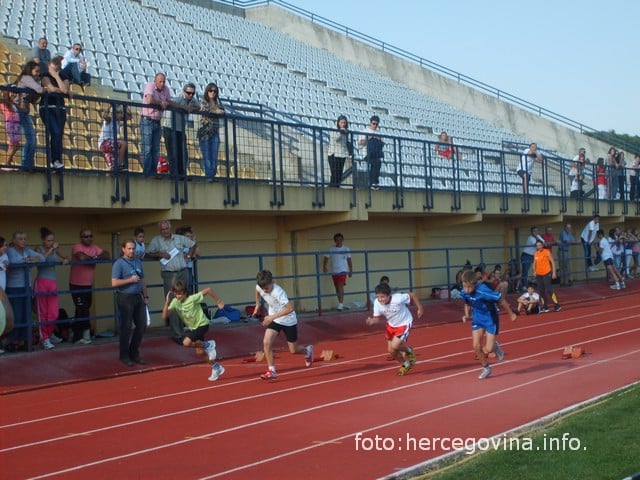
[
  {"x": 339, "y": 279},
  {"x": 488, "y": 327},
  {"x": 290, "y": 331},
  {"x": 608, "y": 262},
  {"x": 197, "y": 334},
  {"x": 108, "y": 147},
  {"x": 401, "y": 332}
]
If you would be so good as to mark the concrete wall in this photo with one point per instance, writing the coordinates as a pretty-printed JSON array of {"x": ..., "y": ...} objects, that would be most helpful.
[{"x": 550, "y": 134}]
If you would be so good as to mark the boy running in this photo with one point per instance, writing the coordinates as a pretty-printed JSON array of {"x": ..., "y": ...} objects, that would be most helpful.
[
  {"x": 281, "y": 318},
  {"x": 188, "y": 308},
  {"x": 481, "y": 300},
  {"x": 393, "y": 307}
]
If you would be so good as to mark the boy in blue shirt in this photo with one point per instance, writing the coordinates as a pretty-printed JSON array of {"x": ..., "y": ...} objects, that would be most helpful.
[{"x": 480, "y": 307}]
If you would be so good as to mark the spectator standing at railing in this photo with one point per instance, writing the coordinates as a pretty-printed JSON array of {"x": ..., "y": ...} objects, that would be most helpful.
[
  {"x": 617, "y": 173},
  {"x": 158, "y": 94},
  {"x": 127, "y": 277},
  {"x": 12, "y": 123},
  {"x": 340, "y": 148},
  {"x": 29, "y": 78},
  {"x": 634, "y": 178},
  {"x": 4, "y": 263},
  {"x": 566, "y": 239},
  {"x": 74, "y": 66},
  {"x": 81, "y": 283},
  {"x": 527, "y": 162},
  {"x": 341, "y": 266},
  {"x": 526, "y": 257},
  {"x": 46, "y": 288},
  {"x": 601, "y": 179},
  {"x": 41, "y": 54},
  {"x": 170, "y": 250},
  {"x": 138, "y": 235},
  {"x": 209, "y": 131},
  {"x": 372, "y": 146},
  {"x": 174, "y": 129},
  {"x": 52, "y": 109},
  {"x": 108, "y": 143},
  {"x": 445, "y": 147},
  {"x": 576, "y": 173},
  {"x": 588, "y": 236},
  {"x": 18, "y": 289}
]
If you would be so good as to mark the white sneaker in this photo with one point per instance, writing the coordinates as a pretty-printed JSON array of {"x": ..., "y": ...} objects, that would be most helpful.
[
  {"x": 615, "y": 286},
  {"x": 623, "y": 285},
  {"x": 340, "y": 307},
  {"x": 498, "y": 351},
  {"x": 216, "y": 371},
  {"x": 82, "y": 341},
  {"x": 592, "y": 268},
  {"x": 57, "y": 164},
  {"x": 46, "y": 344},
  {"x": 308, "y": 357},
  {"x": 486, "y": 373},
  {"x": 55, "y": 339},
  {"x": 210, "y": 348}
]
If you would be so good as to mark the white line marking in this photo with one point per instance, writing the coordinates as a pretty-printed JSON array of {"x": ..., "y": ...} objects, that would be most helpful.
[
  {"x": 343, "y": 401},
  {"x": 331, "y": 365}
]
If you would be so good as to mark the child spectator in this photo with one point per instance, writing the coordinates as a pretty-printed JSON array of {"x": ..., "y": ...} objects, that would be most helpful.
[
  {"x": 107, "y": 142},
  {"x": 281, "y": 318},
  {"x": 393, "y": 307},
  {"x": 480, "y": 307},
  {"x": 12, "y": 123},
  {"x": 601, "y": 179},
  {"x": 189, "y": 309},
  {"x": 138, "y": 235},
  {"x": 529, "y": 302}
]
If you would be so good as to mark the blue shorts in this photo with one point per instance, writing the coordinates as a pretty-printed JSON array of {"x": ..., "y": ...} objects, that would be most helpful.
[{"x": 487, "y": 326}]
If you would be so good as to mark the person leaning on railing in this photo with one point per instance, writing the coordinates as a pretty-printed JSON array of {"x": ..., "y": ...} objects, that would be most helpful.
[{"x": 340, "y": 148}]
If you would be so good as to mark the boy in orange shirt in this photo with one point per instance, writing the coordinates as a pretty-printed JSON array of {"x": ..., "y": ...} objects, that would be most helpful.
[{"x": 544, "y": 267}]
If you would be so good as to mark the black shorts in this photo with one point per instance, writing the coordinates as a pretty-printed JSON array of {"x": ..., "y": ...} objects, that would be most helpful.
[
  {"x": 197, "y": 334},
  {"x": 608, "y": 262},
  {"x": 290, "y": 331}
]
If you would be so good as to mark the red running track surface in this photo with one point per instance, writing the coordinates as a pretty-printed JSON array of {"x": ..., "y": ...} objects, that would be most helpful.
[{"x": 320, "y": 422}]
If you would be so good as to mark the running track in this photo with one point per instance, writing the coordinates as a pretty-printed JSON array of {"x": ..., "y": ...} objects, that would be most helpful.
[{"x": 173, "y": 423}]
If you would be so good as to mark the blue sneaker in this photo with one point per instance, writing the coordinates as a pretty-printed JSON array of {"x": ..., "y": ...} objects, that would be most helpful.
[
  {"x": 210, "y": 348},
  {"x": 308, "y": 357},
  {"x": 216, "y": 371},
  {"x": 498, "y": 351},
  {"x": 486, "y": 373}
]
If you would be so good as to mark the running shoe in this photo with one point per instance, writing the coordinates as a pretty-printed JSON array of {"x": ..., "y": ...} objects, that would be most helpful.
[
  {"x": 615, "y": 286},
  {"x": 411, "y": 356},
  {"x": 623, "y": 285},
  {"x": 404, "y": 369},
  {"x": 308, "y": 357},
  {"x": 210, "y": 348},
  {"x": 557, "y": 308},
  {"x": 55, "y": 339},
  {"x": 486, "y": 373},
  {"x": 269, "y": 375},
  {"x": 46, "y": 344},
  {"x": 216, "y": 371},
  {"x": 543, "y": 310},
  {"x": 499, "y": 352}
]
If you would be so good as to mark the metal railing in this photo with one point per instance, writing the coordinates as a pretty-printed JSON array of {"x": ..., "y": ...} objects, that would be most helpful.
[
  {"x": 257, "y": 148},
  {"x": 423, "y": 271}
]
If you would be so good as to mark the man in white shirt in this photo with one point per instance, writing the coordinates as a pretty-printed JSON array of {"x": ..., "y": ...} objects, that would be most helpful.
[
  {"x": 341, "y": 266},
  {"x": 74, "y": 66},
  {"x": 587, "y": 236}
]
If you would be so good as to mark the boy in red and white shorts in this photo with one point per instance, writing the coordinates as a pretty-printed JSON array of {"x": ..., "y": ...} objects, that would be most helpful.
[{"x": 393, "y": 307}]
